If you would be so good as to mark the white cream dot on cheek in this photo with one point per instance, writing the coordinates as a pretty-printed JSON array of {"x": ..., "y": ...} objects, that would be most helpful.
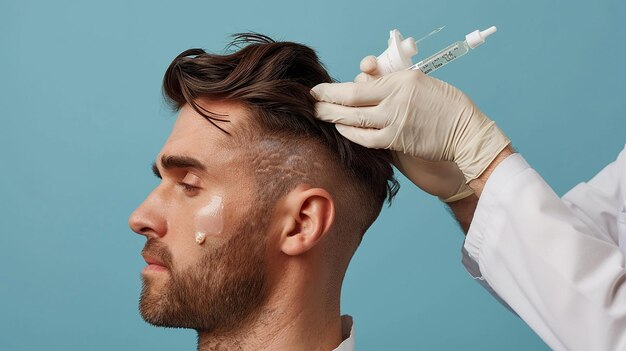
[
  {"x": 209, "y": 220},
  {"x": 200, "y": 237}
]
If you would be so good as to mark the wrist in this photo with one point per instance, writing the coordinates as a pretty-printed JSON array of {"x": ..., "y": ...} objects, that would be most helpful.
[
  {"x": 479, "y": 183},
  {"x": 463, "y": 211}
]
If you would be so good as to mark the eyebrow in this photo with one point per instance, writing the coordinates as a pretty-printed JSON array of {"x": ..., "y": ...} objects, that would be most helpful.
[{"x": 177, "y": 161}]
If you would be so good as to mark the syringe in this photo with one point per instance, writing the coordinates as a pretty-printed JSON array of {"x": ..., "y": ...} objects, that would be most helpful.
[
  {"x": 454, "y": 51},
  {"x": 399, "y": 52}
]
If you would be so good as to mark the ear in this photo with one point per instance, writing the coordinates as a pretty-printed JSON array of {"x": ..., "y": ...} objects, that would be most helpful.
[{"x": 307, "y": 217}]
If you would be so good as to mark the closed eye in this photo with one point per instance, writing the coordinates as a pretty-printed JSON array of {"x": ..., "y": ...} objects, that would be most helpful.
[{"x": 188, "y": 188}]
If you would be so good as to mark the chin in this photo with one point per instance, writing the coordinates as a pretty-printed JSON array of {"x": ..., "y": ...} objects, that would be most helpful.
[{"x": 151, "y": 305}]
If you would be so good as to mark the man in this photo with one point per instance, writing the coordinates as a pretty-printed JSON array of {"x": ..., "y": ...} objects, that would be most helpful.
[
  {"x": 260, "y": 207},
  {"x": 557, "y": 262}
]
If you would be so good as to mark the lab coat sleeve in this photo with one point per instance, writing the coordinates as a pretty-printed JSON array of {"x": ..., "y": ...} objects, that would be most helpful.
[
  {"x": 554, "y": 261},
  {"x": 600, "y": 202}
]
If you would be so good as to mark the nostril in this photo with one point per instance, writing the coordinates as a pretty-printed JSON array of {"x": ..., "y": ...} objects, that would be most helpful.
[
  {"x": 147, "y": 219},
  {"x": 135, "y": 224}
]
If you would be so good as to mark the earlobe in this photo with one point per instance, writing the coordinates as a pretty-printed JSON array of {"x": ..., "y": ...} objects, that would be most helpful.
[{"x": 311, "y": 213}]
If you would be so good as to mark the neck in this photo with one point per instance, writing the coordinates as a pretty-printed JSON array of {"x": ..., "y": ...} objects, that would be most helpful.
[{"x": 295, "y": 317}]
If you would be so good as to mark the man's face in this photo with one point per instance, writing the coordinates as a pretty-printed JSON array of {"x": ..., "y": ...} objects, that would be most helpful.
[{"x": 205, "y": 190}]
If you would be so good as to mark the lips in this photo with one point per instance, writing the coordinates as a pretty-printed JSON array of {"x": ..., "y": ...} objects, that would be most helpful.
[
  {"x": 152, "y": 260},
  {"x": 154, "y": 263},
  {"x": 156, "y": 255}
]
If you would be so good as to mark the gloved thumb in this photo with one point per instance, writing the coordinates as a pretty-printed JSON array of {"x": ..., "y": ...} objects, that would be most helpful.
[
  {"x": 369, "y": 70},
  {"x": 369, "y": 65}
]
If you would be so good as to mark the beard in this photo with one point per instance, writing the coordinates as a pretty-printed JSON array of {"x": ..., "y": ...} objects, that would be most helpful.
[{"x": 220, "y": 293}]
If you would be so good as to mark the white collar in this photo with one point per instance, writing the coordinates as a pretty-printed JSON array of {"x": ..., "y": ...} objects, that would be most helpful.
[{"x": 347, "y": 334}]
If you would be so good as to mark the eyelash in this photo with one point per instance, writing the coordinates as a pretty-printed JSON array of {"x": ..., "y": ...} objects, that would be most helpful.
[{"x": 187, "y": 187}]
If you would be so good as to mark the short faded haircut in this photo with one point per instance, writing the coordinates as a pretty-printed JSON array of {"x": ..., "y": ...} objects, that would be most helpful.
[{"x": 273, "y": 81}]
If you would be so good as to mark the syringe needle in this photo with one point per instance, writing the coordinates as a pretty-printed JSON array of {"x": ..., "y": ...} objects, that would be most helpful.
[{"x": 431, "y": 33}]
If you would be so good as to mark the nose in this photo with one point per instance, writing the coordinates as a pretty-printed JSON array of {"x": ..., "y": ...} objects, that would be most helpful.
[{"x": 149, "y": 218}]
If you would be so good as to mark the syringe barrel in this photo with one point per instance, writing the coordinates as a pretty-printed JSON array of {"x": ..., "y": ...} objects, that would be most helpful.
[{"x": 442, "y": 58}]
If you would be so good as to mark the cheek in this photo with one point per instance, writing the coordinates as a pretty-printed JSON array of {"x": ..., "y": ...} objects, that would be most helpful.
[{"x": 209, "y": 219}]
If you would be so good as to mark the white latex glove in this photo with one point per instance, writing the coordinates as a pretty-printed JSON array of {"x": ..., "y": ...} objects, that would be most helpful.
[
  {"x": 440, "y": 178},
  {"x": 424, "y": 119}
]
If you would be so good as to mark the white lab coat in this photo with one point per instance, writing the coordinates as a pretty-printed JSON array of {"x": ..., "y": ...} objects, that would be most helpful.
[{"x": 557, "y": 262}]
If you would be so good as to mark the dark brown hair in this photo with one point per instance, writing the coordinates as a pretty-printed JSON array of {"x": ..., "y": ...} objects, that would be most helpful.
[{"x": 273, "y": 79}]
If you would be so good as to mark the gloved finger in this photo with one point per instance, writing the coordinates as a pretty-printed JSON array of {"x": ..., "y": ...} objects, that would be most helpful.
[
  {"x": 364, "y": 77},
  {"x": 369, "y": 65},
  {"x": 370, "y": 138},
  {"x": 443, "y": 179},
  {"x": 350, "y": 94},
  {"x": 364, "y": 117}
]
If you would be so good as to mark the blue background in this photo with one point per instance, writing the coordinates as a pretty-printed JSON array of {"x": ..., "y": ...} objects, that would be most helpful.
[{"x": 82, "y": 119}]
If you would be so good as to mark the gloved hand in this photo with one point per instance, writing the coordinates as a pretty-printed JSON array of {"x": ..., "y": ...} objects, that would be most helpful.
[
  {"x": 424, "y": 119},
  {"x": 440, "y": 178}
]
